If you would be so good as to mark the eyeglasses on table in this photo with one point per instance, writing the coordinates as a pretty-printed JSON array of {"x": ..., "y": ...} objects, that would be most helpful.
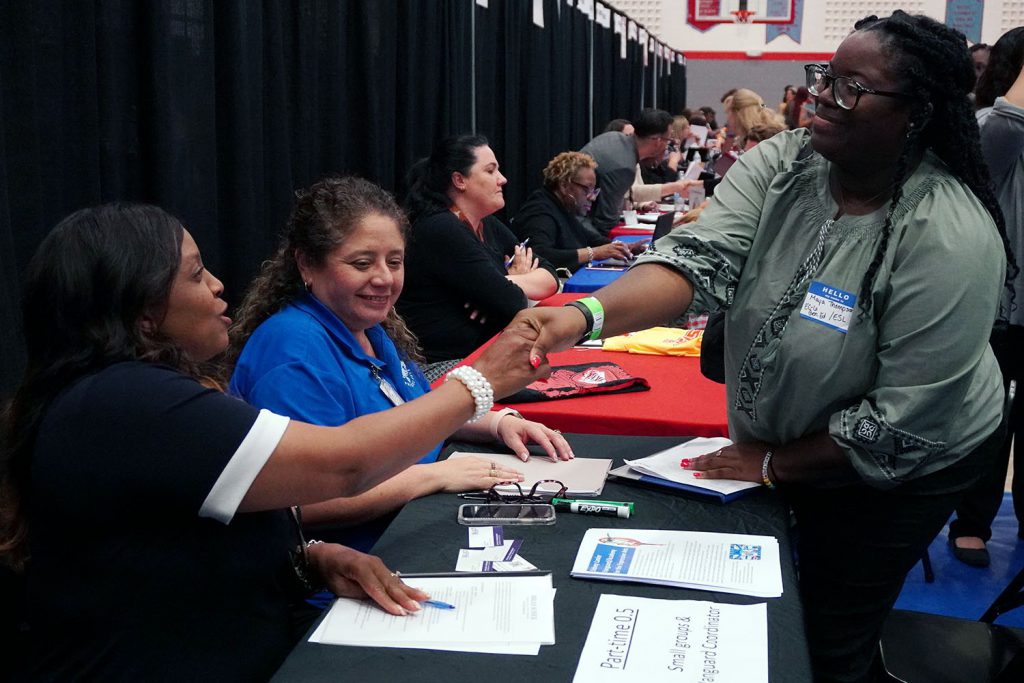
[{"x": 538, "y": 493}]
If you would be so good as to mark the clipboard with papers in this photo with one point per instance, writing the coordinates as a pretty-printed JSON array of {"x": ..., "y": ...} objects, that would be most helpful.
[{"x": 662, "y": 470}]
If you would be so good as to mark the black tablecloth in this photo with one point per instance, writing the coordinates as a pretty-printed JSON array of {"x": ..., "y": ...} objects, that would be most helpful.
[{"x": 425, "y": 537}]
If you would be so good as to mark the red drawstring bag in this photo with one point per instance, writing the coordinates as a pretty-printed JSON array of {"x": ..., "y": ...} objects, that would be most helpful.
[{"x": 585, "y": 379}]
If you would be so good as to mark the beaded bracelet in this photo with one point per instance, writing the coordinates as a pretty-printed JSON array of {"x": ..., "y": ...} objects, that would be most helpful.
[
  {"x": 478, "y": 386},
  {"x": 764, "y": 469},
  {"x": 590, "y": 255}
]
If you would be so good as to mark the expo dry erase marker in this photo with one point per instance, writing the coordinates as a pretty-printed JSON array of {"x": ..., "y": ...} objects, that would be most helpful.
[
  {"x": 587, "y": 508},
  {"x": 618, "y": 503}
]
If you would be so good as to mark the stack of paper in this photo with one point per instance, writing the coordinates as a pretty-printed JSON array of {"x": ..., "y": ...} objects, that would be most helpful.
[
  {"x": 727, "y": 563},
  {"x": 493, "y": 613},
  {"x": 663, "y": 469},
  {"x": 582, "y": 476},
  {"x": 684, "y": 641}
]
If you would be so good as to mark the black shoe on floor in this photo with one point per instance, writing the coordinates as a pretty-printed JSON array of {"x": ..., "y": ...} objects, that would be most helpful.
[{"x": 975, "y": 557}]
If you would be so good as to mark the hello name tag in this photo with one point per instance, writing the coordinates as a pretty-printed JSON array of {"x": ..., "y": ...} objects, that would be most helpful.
[
  {"x": 829, "y": 306},
  {"x": 392, "y": 393}
]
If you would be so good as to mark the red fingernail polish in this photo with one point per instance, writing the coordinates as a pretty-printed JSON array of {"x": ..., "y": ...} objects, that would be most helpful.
[
  {"x": 697, "y": 475},
  {"x": 685, "y": 462},
  {"x": 534, "y": 362}
]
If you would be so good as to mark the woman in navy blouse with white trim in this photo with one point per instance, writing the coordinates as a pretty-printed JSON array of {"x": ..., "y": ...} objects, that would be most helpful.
[{"x": 147, "y": 510}]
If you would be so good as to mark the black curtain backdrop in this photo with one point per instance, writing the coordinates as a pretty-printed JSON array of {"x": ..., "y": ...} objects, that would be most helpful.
[
  {"x": 605, "y": 53},
  {"x": 219, "y": 109}
]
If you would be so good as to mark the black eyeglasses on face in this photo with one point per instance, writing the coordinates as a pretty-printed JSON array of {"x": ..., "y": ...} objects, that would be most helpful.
[
  {"x": 845, "y": 91},
  {"x": 592, "y": 192},
  {"x": 539, "y": 492}
]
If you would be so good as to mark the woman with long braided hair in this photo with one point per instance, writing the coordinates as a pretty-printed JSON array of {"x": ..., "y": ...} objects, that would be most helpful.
[{"x": 860, "y": 266}]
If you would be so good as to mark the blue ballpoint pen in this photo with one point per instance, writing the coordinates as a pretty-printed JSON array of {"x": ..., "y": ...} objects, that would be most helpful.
[
  {"x": 522, "y": 245},
  {"x": 438, "y": 604}
]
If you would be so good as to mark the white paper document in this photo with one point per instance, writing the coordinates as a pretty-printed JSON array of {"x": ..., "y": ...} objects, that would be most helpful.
[
  {"x": 483, "y": 559},
  {"x": 727, "y": 563},
  {"x": 500, "y": 614},
  {"x": 689, "y": 641},
  {"x": 518, "y": 564},
  {"x": 665, "y": 465},
  {"x": 486, "y": 536}
]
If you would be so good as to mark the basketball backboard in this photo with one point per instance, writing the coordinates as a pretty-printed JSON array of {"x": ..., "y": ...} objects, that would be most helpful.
[{"x": 725, "y": 11}]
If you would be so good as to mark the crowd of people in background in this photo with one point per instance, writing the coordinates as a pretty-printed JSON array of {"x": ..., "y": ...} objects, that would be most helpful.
[{"x": 367, "y": 301}]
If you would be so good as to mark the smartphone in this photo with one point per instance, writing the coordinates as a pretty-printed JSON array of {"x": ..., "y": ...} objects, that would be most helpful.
[{"x": 509, "y": 514}]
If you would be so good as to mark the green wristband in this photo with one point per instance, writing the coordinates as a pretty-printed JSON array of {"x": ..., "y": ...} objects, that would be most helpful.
[{"x": 596, "y": 310}]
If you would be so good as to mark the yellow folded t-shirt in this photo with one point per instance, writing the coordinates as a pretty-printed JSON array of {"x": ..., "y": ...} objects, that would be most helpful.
[{"x": 658, "y": 341}]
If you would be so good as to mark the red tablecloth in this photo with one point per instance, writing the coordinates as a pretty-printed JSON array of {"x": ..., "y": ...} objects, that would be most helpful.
[
  {"x": 561, "y": 299},
  {"x": 681, "y": 402},
  {"x": 622, "y": 231}
]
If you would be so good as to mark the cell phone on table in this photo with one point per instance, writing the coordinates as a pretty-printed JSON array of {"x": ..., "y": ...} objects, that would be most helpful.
[{"x": 511, "y": 514}]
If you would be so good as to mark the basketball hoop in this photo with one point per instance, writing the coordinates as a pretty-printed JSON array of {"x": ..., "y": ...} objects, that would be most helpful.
[{"x": 742, "y": 16}]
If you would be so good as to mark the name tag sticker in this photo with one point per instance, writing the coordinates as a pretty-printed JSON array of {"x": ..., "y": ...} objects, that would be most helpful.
[{"x": 829, "y": 306}]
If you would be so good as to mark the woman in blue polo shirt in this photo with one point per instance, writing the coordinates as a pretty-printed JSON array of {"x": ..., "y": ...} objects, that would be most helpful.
[{"x": 322, "y": 343}]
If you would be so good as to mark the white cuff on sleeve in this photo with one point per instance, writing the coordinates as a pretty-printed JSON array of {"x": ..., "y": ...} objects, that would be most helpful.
[{"x": 238, "y": 475}]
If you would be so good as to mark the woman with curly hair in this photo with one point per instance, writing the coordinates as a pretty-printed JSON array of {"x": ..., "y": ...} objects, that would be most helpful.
[
  {"x": 318, "y": 339},
  {"x": 549, "y": 217},
  {"x": 860, "y": 266}
]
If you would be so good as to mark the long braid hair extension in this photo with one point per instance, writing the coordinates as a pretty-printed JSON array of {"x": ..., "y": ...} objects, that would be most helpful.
[{"x": 935, "y": 65}]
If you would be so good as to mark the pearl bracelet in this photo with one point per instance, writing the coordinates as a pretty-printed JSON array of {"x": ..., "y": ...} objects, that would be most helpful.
[
  {"x": 590, "y": 255},
  {"x": 478, "y": 386}
]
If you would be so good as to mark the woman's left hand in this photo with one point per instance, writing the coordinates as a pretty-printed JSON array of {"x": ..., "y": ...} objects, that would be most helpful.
[
  {"x": 740, "y": 461},
  {"x": 352, "y": 574},
  {"x": 516, "y": 432},
  {"x": 475, "y": 473}
]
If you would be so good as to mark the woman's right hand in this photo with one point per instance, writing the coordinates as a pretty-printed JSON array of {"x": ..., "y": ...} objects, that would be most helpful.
[
  {"x": 554, "y": 328},
  {"x": 505, "y": 361},
  {"x": 523, "y": 261},
  {"x": 613, "y": 249}
]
